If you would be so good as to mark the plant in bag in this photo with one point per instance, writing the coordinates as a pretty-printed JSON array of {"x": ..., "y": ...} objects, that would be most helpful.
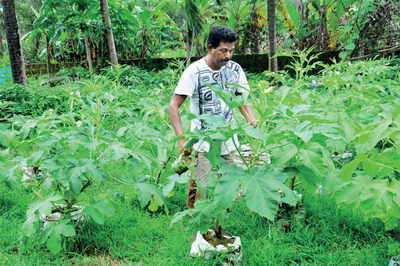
[
  {"x": 67, "y": 161},
  {"x": 264, "y": 186},
  {"x": 69, "y": 153}
]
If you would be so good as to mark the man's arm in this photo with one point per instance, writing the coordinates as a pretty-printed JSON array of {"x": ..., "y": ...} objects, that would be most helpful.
[
  {"x": 175, "y": 118},
  {"x": 247, "y": 113},
  {"x": 245, "y": 109}
]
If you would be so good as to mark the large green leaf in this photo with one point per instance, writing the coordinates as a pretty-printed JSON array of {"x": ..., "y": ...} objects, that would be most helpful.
[
  {"x": 349, "y": 127},
  {"x": 42, "y": 207},
  {"x": 254, "y": 133},
  {"x": 54, "y": 242},
  {"x": 368, "y": 140},
  {"x": 173, "y": 179},
  {"x": 146, "y": 192},
  {"x": 304, "y": 131},
  {"x": 314, "y": 161},
  {"x": 228, "y": 185},
  {"x": 98, "y": 210},
  {"x": 282, "y": 154},
  {"x": 347, "y": 170},
  {"x": 75, "y": 184},
  {"x": 67, "y": 230},
  {"x": 117, "y": 151},
  {"x": 372, "y": 198},
  {"x": 264, "y": 191},
  {"x": 214, "y": 154}
]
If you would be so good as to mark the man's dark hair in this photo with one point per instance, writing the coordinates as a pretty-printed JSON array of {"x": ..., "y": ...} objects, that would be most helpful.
[{"x": 221, "y": 34}]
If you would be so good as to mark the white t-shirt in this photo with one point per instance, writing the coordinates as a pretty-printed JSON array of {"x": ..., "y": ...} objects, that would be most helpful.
[{"x": 203, "y": 100}]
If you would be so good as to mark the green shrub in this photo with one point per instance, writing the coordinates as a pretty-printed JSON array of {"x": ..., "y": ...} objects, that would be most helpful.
[{"x": 31, "y": 101}]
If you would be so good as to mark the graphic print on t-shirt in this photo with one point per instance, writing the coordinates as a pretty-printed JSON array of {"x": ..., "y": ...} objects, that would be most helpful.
[{"x": 209, "y": 102}]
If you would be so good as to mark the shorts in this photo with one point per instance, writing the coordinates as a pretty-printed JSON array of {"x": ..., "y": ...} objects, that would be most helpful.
[{"x": 202, "y": 172}]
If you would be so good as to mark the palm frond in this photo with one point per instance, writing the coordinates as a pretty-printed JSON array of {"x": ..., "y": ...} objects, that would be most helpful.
[{"x": 195, "y": 22}]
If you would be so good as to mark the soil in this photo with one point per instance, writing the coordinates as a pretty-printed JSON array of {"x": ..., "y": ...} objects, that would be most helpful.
[{"x": 212, "y": 238}]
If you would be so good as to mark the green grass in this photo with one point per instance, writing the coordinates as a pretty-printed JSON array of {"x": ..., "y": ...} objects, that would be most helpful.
[{"x": 326, "y": 236}]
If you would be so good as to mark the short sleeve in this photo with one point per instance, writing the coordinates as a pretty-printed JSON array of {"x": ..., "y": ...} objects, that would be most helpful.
[{"x": 187, "y": 82}]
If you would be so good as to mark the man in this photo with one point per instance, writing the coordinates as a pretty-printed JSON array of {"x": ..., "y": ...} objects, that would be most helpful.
[{"x": 215, "y": 68}]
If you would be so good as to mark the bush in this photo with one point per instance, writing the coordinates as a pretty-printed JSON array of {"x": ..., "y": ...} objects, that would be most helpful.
[{"x": 32, "y": 101}]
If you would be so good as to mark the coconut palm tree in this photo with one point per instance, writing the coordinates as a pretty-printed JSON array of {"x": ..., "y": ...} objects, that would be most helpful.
[{"x": 13, "y": 42}]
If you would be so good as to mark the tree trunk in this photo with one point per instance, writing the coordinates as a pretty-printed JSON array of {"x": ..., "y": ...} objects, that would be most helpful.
[
  {"x": 14, "y": 43},
  {"x": 88, "y": 53},
  {"x": 323, "y": 34},
  {"x": 37, "y": 45},
  {"x": 109, "y": 34},
  {"x": 92, "y": 47},
  {"x": 48, "y": 56},
  {"x": 1, "y": 44},
  {"x": 144, "y": 48},
  {"x": 273, "y": 61},
  {"x": 189, "y": 46},
  {"x": 300, "y": 10}
]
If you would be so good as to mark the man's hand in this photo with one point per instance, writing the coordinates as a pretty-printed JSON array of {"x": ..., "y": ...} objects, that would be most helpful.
[
  {"x": 252, "y": 123},
  {"x": 182, "y": 143},
  {"x": 247, "y": 113}
]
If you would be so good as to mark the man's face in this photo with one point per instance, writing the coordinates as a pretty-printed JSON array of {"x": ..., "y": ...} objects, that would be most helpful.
[{"x": 222, "y": 54}]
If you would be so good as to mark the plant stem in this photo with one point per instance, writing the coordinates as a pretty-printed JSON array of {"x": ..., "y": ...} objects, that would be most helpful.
[
  {"x": 218, "y": 230},
  {"x": 162, "y": 169},
  {"x": 292, "y": 182},
  {"x": 120, "y": 181},
  {"x": 240, "y": 154}
]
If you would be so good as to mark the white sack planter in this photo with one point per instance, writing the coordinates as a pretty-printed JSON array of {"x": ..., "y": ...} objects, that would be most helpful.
[
  {"x": 202, "y": 248},
  {"x": 76, "y": 215}
]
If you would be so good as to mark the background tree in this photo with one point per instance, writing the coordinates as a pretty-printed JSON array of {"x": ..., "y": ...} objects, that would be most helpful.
[
  {"x": 166, "y": 28},
  {"x": 322, "y": 42},
  {"x": 194, "y": 26},
  {"x": 273, "y": 60},
  {"x": 69, "y": 21},
  {"x": 31, "y": 39},
  {"x": 253, "y": 30},
  {"x": 1, "y": 31},
  {"x": 108, "y": 31},
  {"x": 381, "y": 28},
  {"x": 14, "y": 43},
  {"x": 1, "y": 43},
  {"x": 236, "y": 12}
]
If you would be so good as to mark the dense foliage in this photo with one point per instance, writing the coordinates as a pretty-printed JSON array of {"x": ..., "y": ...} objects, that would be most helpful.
[
  {"x": 81, "y": 149},
  {"x": 148, "y": 28},
  {"x": 113, "y": 128}
]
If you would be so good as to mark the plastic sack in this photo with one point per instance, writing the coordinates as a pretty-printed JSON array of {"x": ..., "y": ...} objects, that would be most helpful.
[
  {"x": 395, "y": 261},
  {"x": 202, "y": 248}
]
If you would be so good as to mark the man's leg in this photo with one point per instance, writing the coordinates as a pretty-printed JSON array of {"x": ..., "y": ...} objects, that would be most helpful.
[
  {"x": 228, "y": 158},
  {"x": 202, "y": 172}
]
